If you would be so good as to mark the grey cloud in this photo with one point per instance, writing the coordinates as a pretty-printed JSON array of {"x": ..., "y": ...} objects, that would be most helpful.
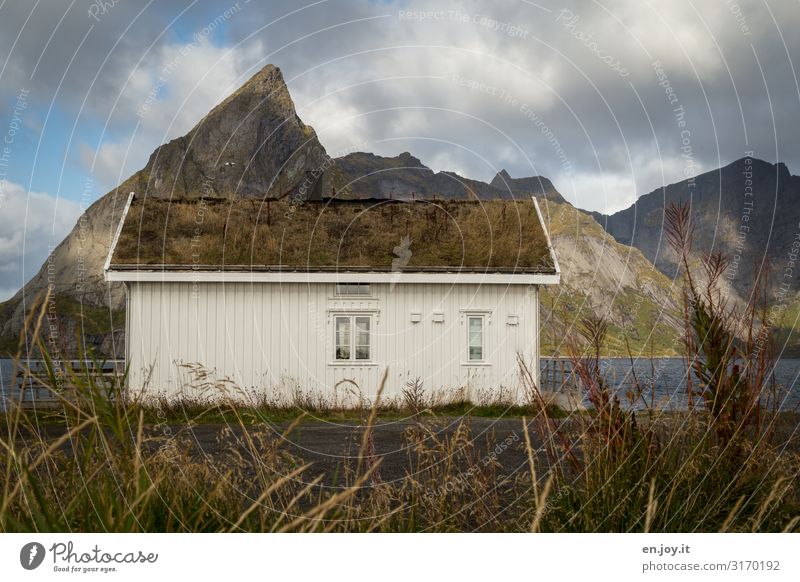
[{"x": 590, "y": 112}]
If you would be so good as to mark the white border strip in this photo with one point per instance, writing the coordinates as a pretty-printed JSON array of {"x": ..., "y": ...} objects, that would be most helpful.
[{"x": 107, "y": 264}]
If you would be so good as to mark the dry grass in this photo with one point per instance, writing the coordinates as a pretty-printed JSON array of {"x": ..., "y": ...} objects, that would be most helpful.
[{"x": 493, "y": 235}]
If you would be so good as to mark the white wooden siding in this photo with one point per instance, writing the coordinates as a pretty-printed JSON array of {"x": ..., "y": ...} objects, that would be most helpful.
[{"x": 272, "y": 339}]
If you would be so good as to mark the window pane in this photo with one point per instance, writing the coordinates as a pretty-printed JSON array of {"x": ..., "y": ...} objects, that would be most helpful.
[
  {"x": 352, "y": 288},
  {"x": 475, "y": 324},
  {"x": 362, "y": 338},
  {"x": 342, "y": 338},
  {"x": 475, "y": 338}
]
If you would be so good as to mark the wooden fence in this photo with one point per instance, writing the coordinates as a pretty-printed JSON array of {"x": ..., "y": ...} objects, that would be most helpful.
[
  {"x": 556, "y": 374},
  {"x": 31, "y": 383}
]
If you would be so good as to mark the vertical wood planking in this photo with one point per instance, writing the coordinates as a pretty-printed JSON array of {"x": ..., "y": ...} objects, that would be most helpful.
[{"x": 260, "y": 335}]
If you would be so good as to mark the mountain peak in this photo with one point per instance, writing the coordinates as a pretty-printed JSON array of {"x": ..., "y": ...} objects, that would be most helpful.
[
  {"x": 253, "y": 144},
  {"x": 502, "y": 175},
  {"x": 267, "y": 82},
  {"x": 535, "y": 185},
  {"x": 410, "y": 161}
]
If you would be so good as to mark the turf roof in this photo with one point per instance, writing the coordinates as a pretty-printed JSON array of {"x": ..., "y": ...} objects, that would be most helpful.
[{"x": 364, "y": 235}]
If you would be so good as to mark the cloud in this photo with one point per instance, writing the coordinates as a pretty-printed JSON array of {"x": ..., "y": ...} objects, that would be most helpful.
[
  {"x": 31, "y": 224},
  {"x": 167, "y": 95},
  {"x": 450, "y": 83}
]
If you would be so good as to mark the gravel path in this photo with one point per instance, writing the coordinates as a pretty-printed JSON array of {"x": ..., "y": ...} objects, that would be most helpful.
[{"x": 330, "y": 446}]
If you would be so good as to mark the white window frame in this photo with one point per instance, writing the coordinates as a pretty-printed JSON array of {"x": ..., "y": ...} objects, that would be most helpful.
[
  {"x": 352, "y": 318},
  {"x": 482, "y": 318}
]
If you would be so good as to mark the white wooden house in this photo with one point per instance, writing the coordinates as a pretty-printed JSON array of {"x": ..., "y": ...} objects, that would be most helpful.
[{"x": 259, "y": 301}]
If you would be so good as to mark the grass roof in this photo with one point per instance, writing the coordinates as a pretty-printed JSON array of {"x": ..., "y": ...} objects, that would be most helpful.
[{"x": 377, "y": 235}]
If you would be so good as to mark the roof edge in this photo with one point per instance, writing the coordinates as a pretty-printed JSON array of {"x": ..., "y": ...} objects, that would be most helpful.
[
  {"x": 107, "y": 264},
  {"x": 196, "y": 277},
  {"x": 546, "y": 232},
  {"x": 198, "y": 268}
]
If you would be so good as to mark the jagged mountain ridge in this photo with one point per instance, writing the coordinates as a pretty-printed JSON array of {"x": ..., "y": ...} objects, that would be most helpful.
[
  {"x": 747, "y": 209},
  {"x": 402, "y": 177},
  {"x": 539, "y": 185}
]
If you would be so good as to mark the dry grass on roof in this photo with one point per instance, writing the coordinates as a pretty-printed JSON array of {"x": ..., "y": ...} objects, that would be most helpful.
[{"x": 488, "y": 235}]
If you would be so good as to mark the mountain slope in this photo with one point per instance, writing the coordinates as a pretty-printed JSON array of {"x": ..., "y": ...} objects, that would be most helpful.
[
  {"x": 604, "y": 277},
  {"x": 749, "y": 211}
]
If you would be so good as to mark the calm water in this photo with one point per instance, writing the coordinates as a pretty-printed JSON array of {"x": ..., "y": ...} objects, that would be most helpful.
[
  {"x": 667, "y": 376},
  {"x": 666, "y": 381}
]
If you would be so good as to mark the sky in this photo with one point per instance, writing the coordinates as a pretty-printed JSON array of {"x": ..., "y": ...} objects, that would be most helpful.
[{"x": 609, "y": 100}]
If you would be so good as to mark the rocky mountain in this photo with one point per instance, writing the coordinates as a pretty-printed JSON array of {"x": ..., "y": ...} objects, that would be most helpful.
[
  {"x": 254, "y": 145},
  {"x": 748, "y": 210},
  {"x": 251, "y": 144}
]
